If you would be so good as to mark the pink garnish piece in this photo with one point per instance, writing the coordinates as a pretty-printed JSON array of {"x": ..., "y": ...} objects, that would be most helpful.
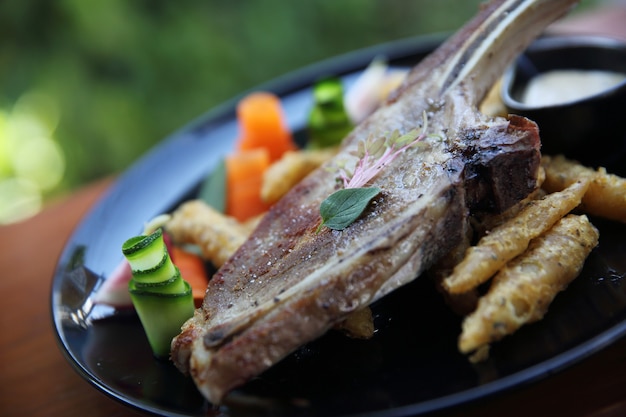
[
  {"x": 375, "y": 154},
  {"x": 114, "y": 290}
]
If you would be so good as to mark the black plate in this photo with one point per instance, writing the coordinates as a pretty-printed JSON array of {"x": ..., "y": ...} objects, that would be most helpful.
[{"x": 410, "y": 367}]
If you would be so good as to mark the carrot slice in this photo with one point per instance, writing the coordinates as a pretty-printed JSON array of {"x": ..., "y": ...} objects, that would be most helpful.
[
  {"x": 262, "y": 125},
  {"x": 244, "y": 178},
  {"x": 192, "y": 270}
]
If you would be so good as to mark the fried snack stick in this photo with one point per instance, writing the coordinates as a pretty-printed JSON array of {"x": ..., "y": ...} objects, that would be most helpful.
[
  {"x": 249, "y": 225},
  {"x": 218, "y": 237},
  {"x": 493, "y": 105},
  {"x": 511, "y": 238},
  {"x": 282, "y": 175},
  {"x": 522, "y": 291},
  {"x": 359, "y": 324},
  {"x": 606, "y": 196}
]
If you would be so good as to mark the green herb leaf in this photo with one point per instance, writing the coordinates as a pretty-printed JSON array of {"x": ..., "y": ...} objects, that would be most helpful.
[
  {"x": 343, "y": 207},
  {"x": 213, "y": 189}
]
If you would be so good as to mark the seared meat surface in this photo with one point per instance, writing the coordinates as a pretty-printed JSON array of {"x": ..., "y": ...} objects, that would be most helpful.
[{"x": 288, "y": 284}]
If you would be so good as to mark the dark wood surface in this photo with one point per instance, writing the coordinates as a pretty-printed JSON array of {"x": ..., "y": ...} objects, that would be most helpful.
[{"x": 36, "y": 380}]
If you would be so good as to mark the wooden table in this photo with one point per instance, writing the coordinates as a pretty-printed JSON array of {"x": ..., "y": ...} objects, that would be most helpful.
[{"x": 36, "y": 380}]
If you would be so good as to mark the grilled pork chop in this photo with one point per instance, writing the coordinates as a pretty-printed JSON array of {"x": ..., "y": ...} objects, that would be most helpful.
[{"x": 288, "y": 284}]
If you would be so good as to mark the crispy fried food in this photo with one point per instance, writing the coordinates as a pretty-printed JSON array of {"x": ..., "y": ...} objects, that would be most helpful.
[
  {"x": 493, "y": 105},
  {"x": 606, "y": 196},
  {"x": 359, "y": 324},
  {"x": 217, "y": 235},
  {"x": 282, "y": 175},
  {"x": 511, "y": 238},
  {"x": 522, "y": 291},
  {"x": 249, "y": 225}
]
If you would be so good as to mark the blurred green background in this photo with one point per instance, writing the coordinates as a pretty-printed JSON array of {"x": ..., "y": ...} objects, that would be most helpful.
[{"x": 90, "y": 85}]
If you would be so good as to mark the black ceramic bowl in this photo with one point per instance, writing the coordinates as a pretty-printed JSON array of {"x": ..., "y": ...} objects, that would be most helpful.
[{"x": 590, "y": 129}]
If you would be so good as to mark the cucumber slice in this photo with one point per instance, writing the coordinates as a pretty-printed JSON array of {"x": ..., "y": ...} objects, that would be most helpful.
[
  {"x": 144, "y": 252},
  {"x": 162, "y": 272},
  {"x": 162, "y": 299},
  {"x": 173, "y": 285},
  {"x": 328, "y": 121},
  {"x": 162, "y": 315}
]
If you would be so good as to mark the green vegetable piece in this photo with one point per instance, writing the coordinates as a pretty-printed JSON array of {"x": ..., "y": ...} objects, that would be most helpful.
[
  {"x": 162, "y": 315},
  {"x": 144, "y": 252},
  {"x": 173, "y": 285},
  {"x": 213, "y": 189},
  {"x": 164, "y": 271},
  {"x": 343, "y": 207},
  {"x": 162, "y": 299},
  {"x": 328, "y": 120}
]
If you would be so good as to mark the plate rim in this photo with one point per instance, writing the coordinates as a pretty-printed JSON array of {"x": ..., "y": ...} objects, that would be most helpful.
[{"x": 341, "y": 64}]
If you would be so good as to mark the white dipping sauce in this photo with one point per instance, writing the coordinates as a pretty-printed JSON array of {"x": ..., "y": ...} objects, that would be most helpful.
[{"x": 561, "y": 86}]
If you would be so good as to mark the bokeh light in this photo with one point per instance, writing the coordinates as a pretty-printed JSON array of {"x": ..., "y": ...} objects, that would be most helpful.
[
  {"x": 31, "y": 161},
  {"x": 88, "y": 87}
]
